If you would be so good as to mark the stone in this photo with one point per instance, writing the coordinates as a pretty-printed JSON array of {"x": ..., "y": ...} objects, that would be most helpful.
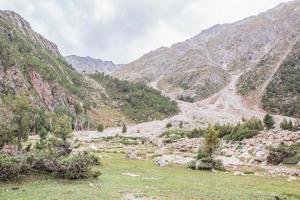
[
  {"x": 238, "y": 173},
  {"x": 162, "y": 162},
  {"x": 131, "y": 154},
  {"x": 229, "y": 161}
]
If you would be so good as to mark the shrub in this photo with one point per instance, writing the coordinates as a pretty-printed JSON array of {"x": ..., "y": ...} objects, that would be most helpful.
[
  {"x": 283, "y": 153},
  {"x": 195, "y": 133},
  {"x": 124, "y": 128},
  {"x": 168, "y": 125},
  {"x": 202, "y": 154},
  {"x": 100, "y": 128},
  {"x": 211, "y": 141},
  {"x": 12, "y": 166},
  {"x": 76, "y": 166},
  {"x": 247, "y": 129},
  {"x": 206, "y": 164},
  {"x": 269, "y": 121}
]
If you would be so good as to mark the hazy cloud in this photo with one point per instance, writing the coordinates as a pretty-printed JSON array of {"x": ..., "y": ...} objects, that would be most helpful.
[{"x": 123, "y": 30}]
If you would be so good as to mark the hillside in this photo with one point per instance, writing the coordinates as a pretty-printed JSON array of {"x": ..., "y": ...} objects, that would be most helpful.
[
  {"x": 138, "y": 101},
  {"x": 201, "y": 66},
  {"x": 283, "y": 92},
  {"x": 32, "y": 65},
  {"x": 91, "y": 65}
]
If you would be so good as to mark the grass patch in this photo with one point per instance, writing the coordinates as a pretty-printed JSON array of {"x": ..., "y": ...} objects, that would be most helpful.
[{"x": 174, "y": 182}]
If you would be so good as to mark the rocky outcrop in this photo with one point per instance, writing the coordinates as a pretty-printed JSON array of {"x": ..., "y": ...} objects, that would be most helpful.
[
  {"x": 91, "y": 65},
  {"x": 42, "y": 88},
  {"x": 255, "y": 150}
]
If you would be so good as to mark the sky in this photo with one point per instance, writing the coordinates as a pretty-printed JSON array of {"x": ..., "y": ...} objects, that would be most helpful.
[{"x": 124, "y": 30}]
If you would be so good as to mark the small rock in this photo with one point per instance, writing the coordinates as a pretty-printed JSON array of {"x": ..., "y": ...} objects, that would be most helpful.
[
  {"x": 129, "y": 174},
  {"x": 291, "y": 178},
  {"x": 162, "y": 162},
  {"x": 238, "y": 173},
  {"x": 131, "y": 154}
]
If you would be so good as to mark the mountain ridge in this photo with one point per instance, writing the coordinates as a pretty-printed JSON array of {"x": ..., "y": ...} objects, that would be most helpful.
[
  {"x": 186, "y": 69},
  {"x": 88, "y": 64}
]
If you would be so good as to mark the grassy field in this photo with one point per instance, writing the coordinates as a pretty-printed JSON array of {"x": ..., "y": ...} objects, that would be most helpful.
[{"x": 153, "y": 182}]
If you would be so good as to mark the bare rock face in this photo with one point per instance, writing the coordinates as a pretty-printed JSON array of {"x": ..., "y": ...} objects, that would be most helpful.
[
  {"x": 42, "y": 88},
  {"x": 198, "y": 67},
  {"x": 91, "y": 65}
]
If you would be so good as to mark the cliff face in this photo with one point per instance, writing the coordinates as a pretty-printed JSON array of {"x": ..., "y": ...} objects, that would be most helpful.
[
  {"x": 202, "y": 65},
  {"x": 91, "y": 65}
]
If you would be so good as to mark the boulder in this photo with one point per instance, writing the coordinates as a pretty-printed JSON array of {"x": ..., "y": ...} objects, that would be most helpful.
[
  {"x": 161, "y": 162},
  {"x": 131, "y": 154},
  {"x": 238, "y": 173}
]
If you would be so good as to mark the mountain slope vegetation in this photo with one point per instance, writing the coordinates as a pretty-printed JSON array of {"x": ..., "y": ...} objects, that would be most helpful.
[
  {"x": 138, "y": 101},
  {"x": 283, "y": 92}
]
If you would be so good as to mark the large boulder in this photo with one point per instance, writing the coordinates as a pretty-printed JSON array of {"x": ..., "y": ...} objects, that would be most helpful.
[{"x": 131, "y": 154}]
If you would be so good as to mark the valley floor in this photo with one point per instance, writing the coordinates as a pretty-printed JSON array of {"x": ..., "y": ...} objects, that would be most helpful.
[{"x": 128, "y": 179}]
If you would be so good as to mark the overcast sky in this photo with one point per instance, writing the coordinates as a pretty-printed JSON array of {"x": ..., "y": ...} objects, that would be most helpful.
[{"x": 123, "y": 30}]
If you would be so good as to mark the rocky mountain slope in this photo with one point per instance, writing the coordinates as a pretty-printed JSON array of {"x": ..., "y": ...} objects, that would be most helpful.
[
  {"x": 194, "y": 69},
  {"x": 91, "y": 65},
  {"x": 32, "y": 65}
]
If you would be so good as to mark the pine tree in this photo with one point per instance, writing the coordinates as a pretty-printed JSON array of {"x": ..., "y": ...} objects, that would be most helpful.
[
  {"x": 62, "y": 128},
  {"x": 100, "y": 128},
  {"x": 124, "y": 128},
  {"x": 284, "y": 124},
  {"x": 269, "y": 121},
  {"x": 211, "y": 140},
  {"x": 21, "y": 109}
]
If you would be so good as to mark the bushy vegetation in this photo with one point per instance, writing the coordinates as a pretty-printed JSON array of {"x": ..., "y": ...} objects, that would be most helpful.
[
  {"x": 283, "y": 92},
  {"x": 289, "y": 125},
  {"x": 12, "y": 167},
  {"x": 284, "y": 154},
  {"x": 173, "y": 135},
  {"x": 255, "y": 77},
  {"x": 247, "y": 129},
  {"x": 138, "y": 101},
  {"x": 269, "y": 121},
  {"x": 204, "y": 159}
]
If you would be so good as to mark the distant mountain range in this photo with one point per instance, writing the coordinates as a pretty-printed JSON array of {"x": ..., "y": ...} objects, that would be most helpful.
[
  {"x": 262, "y": 48},
  {"x": 91, "y": 65}
]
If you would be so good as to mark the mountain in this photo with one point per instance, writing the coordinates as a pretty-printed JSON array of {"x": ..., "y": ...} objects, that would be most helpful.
[
  {"x": 32, "y": 65},
  {"x": 91, "y": 65},
  {"x": 254, "y": 47}
]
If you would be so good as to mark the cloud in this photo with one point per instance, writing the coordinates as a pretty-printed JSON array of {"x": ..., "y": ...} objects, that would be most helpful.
[{"x": 123, "y": 30}]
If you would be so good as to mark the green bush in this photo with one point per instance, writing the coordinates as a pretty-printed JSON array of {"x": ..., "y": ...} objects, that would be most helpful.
[
  {"x": 12, "y": 166},
  {"x": 100, "y": 128},
  {"x": 76, "y": 166},
  {"x": 195, "y": 133},
  {"x": 168, "y": 125},
  {"x": 269, "y": 121},
  {"x": 247, "y": 129},
  {"x": 284, "y": 154},
  {"x": 206, "y": 164}
]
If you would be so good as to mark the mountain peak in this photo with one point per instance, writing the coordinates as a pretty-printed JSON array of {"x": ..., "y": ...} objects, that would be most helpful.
[{"x": 91, "y": 65}]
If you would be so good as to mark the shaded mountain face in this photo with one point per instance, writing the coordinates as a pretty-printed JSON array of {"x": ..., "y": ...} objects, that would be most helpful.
[
  {"x": 91, "y": 65},
  {"x": 199, "y": 67}
]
